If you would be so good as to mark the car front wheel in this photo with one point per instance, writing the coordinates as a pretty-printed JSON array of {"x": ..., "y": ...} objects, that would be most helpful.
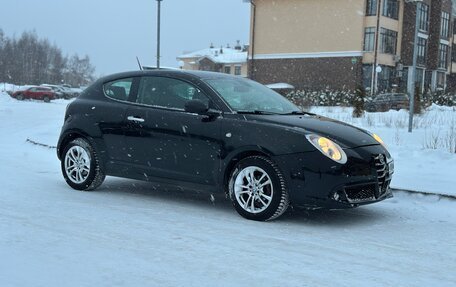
[
  {"x": 257, "y": 189},
  {"x": 80, "y": 166}
]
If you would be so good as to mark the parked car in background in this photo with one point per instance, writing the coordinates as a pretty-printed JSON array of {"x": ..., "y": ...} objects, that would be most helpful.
[
  {"x": 59, "y": 93},
  {"x": 386, "y": 102},
  {"x": 36, "y": 93},
  {"x": 62, "y": 91}
]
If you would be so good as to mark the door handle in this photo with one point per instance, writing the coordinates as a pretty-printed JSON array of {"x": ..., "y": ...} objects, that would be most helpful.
[{"x": 135, "y": 119}]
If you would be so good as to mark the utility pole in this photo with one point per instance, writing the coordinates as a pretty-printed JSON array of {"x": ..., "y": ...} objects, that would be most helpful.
[
  {"x": 412, "y": 79},
  {"x": 158, "y": 32},
  {"x": 374, "y": 79}
]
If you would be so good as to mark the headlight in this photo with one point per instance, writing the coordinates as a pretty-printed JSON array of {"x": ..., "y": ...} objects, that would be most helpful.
[
  {"x": 328, "y": 148},
  {"x": 379, "y": 139}
]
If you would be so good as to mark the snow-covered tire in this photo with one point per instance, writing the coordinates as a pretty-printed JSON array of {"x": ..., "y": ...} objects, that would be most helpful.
[
  {"x": 80, "y": 154},
  {"x": 249, "y": 179},
  {"x": 46, "y": 99},
  {"x": 20, "y": 97}
]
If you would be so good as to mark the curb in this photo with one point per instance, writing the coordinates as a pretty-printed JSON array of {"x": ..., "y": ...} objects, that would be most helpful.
[
  {"x": 447, "y": 196},
  {"x": 40, "y": 144}
]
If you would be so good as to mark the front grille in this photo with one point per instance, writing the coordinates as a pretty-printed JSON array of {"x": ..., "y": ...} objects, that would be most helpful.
[
  {"x": 360, "y": 193},
  {"x": 383, "y": 174}
]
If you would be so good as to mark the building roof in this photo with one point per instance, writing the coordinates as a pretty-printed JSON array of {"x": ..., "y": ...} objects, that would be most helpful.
[{"x": 229, "y": 55}]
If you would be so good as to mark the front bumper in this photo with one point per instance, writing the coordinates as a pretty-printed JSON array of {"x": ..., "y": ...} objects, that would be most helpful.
[{"x": 315, "y": 181}]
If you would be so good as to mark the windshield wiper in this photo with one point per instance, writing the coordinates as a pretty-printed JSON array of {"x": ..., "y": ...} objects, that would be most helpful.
[
  {"x": 299, "y": 113},
  {"x": 256, "y": 112}
]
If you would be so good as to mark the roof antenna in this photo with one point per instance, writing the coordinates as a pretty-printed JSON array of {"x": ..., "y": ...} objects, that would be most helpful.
[{"x": 139, "y": 64}]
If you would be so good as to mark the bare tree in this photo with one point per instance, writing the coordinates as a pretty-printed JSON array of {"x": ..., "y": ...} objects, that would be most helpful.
[{"x": 31, "y": 60}]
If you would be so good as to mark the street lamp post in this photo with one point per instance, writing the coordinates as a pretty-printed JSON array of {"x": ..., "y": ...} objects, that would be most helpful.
[
  {"x": 158, "y": 32},
  {"x": 412, "y": 79}
]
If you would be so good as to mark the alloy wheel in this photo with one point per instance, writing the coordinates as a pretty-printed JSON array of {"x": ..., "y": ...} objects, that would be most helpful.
[
  {"x": 77, "y": 164},
  {"x": 253, "y": 189}
]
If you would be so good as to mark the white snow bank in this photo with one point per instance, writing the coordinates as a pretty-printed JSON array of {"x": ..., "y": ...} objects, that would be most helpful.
[
  {"x": 278, "y": 86},
  {"x": 5, "y": 87}
]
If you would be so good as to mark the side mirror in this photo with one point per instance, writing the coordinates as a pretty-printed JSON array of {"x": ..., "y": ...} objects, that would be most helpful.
[{"x": 196, "y": 107}]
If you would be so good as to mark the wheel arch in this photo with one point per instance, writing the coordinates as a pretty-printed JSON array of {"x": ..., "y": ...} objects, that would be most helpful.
[
  {"x": 74, "y": 134},
  {"x": 236, "y": 156}
]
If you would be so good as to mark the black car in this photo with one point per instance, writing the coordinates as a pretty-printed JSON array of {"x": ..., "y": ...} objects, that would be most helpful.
[
  {"x": 213, "y": 131},
  {"x": 386, "y": 102}
]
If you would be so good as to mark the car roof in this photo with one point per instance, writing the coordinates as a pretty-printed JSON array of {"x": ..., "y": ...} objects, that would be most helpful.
[
  {"x": 39, "y": 87},
  {"x": 186, "y": 74}
]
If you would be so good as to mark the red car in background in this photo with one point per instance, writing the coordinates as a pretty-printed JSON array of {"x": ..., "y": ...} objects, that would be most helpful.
[{"x": 36, "y": 93}]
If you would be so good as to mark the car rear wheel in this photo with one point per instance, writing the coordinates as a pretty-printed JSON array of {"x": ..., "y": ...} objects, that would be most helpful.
[
  {"x": 80, "y": 166},
  {"x": 257, "y": 189},
  {"x": 46, "y": 99}
]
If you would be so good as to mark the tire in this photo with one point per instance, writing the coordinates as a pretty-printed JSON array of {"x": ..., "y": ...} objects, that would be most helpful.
[
  {"x": 46, "y": 99},
  {"x": 261, "y": 201},
  {"x": 20, "y": 97},
  {"x": 88, "y": 174}
]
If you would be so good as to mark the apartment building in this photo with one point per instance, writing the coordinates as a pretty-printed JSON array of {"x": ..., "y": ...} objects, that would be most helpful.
[
  {"x": 343, "y": 44},
  {"x": 224, "y": 60}
]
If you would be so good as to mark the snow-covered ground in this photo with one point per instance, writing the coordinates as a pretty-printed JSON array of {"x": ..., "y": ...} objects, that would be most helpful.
[
  {"x": 425, "y": 160},
  {"x": 131, "y": 233}
]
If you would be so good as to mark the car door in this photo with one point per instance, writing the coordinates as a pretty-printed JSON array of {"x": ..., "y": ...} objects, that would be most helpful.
[
  {"x": 110, "y": 114},
  {"x": 165, "y": 141},
  {"x": 29, "y": 93}
]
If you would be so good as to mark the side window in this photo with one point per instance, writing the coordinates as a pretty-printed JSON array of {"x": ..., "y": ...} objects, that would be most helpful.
[
  {"x": 168, "y": 93},
  {"x": 118, "y": 89}
]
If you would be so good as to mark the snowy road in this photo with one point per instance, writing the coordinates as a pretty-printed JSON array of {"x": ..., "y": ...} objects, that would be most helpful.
[{"x": 131, "y": 233}]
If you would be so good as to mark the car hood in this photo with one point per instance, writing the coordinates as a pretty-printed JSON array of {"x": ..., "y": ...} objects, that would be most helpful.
[{"x": 347, "y": 136}]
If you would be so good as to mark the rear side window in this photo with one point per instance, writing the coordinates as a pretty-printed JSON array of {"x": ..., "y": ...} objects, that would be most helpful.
[
  {"x": 168, "y": 93},
  {"x": 118, "y": 89}
]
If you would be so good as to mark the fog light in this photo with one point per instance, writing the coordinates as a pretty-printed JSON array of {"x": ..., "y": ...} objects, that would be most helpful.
[{"x": 336, "y": 196}]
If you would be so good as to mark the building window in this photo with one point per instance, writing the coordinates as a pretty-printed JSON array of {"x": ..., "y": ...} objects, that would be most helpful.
[
  {"x": 444, "y": 25},
  {"x": 388, "y": 41},
  {"x": 237, "y": 70},
  {"x": 403, "y": 80},
  {"x": 427, "y": 81},
  {"x": 369, "y": 39},
  {"x": 440, "y": 81},
  {"x": 227, "y": 70},
  {"x": 443, "y": 56},
  {"x": 385, "y": 79},
  {"x": 423, "y": 17},
  {"x": 367, "y": 76},
  {"x": 421, "y": 59},
  {"x": 453, "y": 53},
  {"x": 391, "y": 9},
  {"x": 419, "y": 78},
  {"x": 371, "y": 8}
]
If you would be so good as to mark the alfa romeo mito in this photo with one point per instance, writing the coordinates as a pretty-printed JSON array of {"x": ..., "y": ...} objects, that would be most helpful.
[{"x": 212, "y": 131}]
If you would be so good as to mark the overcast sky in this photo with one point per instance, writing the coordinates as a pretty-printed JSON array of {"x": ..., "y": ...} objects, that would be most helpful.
[{"x": 114, "y": 32}]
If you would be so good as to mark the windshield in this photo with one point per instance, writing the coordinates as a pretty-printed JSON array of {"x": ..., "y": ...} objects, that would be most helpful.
[{"x": 244, "y": 95}]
